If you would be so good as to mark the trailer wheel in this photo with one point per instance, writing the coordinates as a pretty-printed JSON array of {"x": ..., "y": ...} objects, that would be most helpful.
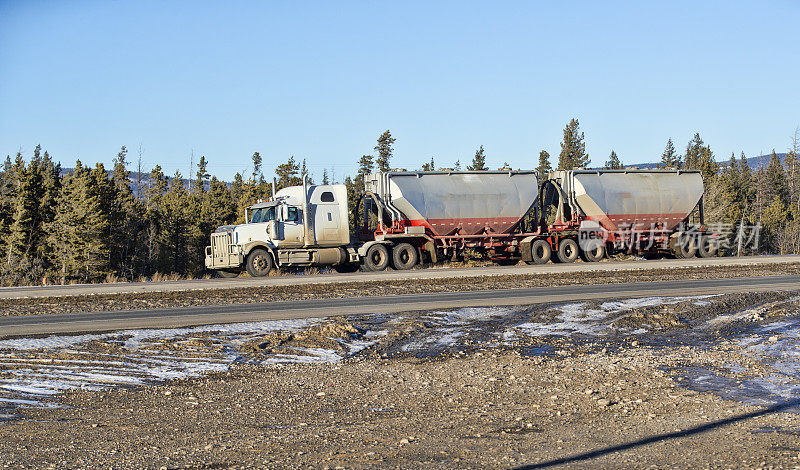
[
  {"x": 594, "y": 253},
  {"x": 540, "y": 252},
  {"x": 227, "y": 273},
  {"x": 567, "y": 250},
  {"x": 377, "y": 258},
  {"x": 404, "y": 256},
  {"x": 707, "y": 246},
  {"x": 259, "y": 263},
  {"x": 684, "y": 246}
]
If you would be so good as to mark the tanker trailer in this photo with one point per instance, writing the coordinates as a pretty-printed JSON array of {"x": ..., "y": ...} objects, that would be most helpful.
[
  {"x": 639, "y": 211},
  {"x": 436, "y": 214}
]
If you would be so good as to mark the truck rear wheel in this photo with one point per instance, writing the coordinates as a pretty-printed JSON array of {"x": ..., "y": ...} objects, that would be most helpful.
[
  {"x": 404, "y": 256},
  {"x": 540, "y": 252},
  {"x": 377, "y": 258},
  {"x": 567, "y": 250},
  {"x": 259, "y": 263}
]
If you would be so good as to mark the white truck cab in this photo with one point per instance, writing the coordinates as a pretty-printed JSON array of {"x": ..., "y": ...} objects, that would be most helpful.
[{"x": 301, "y": 226}]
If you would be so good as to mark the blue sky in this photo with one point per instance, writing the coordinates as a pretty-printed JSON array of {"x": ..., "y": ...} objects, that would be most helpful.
[{"x": 321, "y": 80}]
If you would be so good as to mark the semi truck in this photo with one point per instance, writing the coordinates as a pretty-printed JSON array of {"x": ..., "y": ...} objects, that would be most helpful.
[{"x": 407, "y": 218}]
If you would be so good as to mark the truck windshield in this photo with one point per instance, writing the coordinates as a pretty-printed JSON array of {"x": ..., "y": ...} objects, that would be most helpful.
[{"x": 263, "y": 215}]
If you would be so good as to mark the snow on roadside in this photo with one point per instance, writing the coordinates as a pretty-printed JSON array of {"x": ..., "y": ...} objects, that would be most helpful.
[
  {"x": 578, "y": 318},
  {"x": 33, "y": 371}
]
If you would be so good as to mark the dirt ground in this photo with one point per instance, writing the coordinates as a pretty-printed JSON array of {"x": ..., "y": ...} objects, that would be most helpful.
[
  {"x": 710, "y": 381},
  {"x": 94, "y": 303}
]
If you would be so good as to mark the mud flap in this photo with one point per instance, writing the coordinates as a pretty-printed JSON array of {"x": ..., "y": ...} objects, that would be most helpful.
[
  {"x": 525, "y": 249},
  {"x": 431, "y": 251}
]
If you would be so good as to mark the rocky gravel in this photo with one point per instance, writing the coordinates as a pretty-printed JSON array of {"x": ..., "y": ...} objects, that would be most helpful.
[{"x": 637, "y": 383}]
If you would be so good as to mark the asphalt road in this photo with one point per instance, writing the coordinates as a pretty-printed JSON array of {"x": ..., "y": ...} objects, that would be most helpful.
[
  {"x": 428, "y": 273},
  {"x": 31, "y": 325}
]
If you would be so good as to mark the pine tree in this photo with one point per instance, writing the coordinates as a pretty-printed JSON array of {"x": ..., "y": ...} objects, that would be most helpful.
[
  {"x": 670, "y": 159},
  {"x": 429, "y": 166},
  {"x": 573, "y": 148},
  {"x": 544, "y": 166},
  {"x": 693, "y": 151},
  {"x": 287, "y": 174},
  {"x": 365, "y": 167},
  {"x": 478, "y": 161},
  {"x": 202, "y": 175},
  {"x": 26, "y": 233},
  {"x": 384, "y": 150},
  {"x": 257, "y": 175},
  {"x": 325, "y": 179},
  {"x": 457, "y": 165},
  {"x": 777, "y": 184},
  {"x": 126, "y": 221},
  {"x": 63, "y": 230},
  {"x": 613, "y": 162}
]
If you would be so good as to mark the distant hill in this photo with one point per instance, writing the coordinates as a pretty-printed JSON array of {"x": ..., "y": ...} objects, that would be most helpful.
[{"x": 754, "y": 162}]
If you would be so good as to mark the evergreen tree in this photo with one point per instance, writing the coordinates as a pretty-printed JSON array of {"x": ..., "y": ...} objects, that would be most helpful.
[
  {"x": 693, "y": 151},
  {"x": 776, "y": 182},
  {"x": 573, "y": 148},
  {"x": 384, "y": 150},
  {"x": 288, "y": 174},
  {"x": 7, "y": 197},
  {"x": 63, "y": 231},
  {"x": 325, "y": 179},
  {"x": 257, "y": 175},
  {"x": 365, "y": 167},
  {"x": 238, "y": 196},
  {"x": 613, "y": 162},
  {"x": 544, "y": 166},
  {"x": 26, "y": 233},
  {"x": 670, "y": 159},
  {"x": 457, "y": 165},
  {"x": 429, "y": 166},
  {"x": 478, "y": 161},
  {"x": 202, "y": 175},
  {"x": 125, "y": 218}
]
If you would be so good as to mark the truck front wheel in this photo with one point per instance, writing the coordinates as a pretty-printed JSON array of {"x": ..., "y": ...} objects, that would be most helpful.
[
  {"x": 404, "y": 256},
  {"x": 259, "y": 263}
]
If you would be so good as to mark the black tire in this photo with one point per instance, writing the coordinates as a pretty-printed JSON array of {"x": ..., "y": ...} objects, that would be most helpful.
[
  {"x": 567, "y": 250},
  {"x": 259, "y": 263},
  {"x": 684, "y": 246},
  {"x": 404, "y": 257},
  {"x": 227, "y": 273},
  {"x": 377, "y": 258},
  {"x": 540, "y": 252},
  {"x": 594, "y": 253},
  {"x": 707, "y": 246}
]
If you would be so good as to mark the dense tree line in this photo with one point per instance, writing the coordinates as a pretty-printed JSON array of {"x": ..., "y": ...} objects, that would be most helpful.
[{"x": 88, "y": 225}]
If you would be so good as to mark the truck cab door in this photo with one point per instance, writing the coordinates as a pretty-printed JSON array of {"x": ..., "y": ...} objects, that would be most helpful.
[{"x": 292, "y": 226}]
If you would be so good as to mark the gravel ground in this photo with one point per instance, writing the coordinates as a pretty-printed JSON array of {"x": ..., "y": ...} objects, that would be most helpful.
[
  {"x": 707, "y": 381},
  {"x": 94, "y": 303}
]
